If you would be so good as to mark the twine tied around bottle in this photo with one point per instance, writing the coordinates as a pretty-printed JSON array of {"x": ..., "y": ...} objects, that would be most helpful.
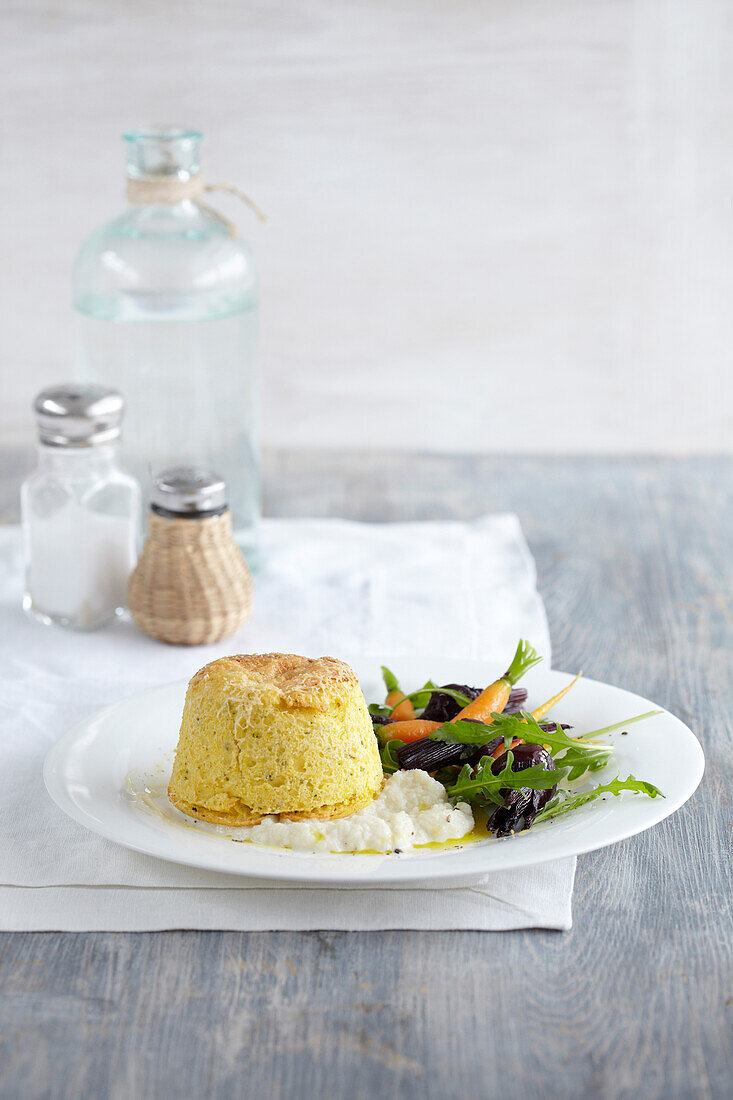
[{"x": 170, "y": 189}]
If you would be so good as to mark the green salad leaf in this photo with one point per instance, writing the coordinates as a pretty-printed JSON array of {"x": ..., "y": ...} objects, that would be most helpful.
[
  {"x": 391, "y": 683},
  {"x": 388, "y": 751},
  {"x": 380, "y": 710},
  {"x": 584, "y": 758},
  {"x": 421, "y": 697},
  {"x": 577, "y": 757},
  {"x": 464, "y": 732},
  {"x": 564, "y": 801},
  {"x": 479, "y": 784},
  {"x": 524, "y": 726}
]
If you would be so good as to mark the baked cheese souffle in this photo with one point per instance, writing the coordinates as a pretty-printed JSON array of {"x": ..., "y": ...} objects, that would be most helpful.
[{"x": 266, "y": 734}]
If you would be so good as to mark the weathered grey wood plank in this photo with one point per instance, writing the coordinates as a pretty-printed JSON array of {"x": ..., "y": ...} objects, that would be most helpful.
[{"x": 635, "y": 564}]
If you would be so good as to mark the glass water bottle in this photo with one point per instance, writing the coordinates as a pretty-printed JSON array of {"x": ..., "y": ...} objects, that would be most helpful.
[{"x": 166, "y": 302}]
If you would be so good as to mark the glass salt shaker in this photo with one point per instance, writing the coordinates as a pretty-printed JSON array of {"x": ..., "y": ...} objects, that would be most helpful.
[{"x": 80, "y": 510}]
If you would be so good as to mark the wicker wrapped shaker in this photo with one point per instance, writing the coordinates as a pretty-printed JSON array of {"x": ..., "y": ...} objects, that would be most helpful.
[{"x": 191, "y": 585}]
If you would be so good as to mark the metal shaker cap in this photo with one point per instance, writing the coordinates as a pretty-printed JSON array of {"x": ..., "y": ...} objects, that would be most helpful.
[
  {"x": 73, "y": 415},
  {"x": 189, "y": 491}
]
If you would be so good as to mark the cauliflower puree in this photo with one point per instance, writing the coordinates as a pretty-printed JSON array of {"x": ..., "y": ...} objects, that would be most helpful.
[{"x": 412, "y": 809}]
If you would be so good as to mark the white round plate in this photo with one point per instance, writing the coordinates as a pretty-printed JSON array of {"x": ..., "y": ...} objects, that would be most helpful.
[{"x": 90, "y": 772}]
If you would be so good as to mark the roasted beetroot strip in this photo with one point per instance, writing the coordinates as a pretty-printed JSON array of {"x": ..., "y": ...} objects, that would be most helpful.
[{"x": 430, "y": 755}]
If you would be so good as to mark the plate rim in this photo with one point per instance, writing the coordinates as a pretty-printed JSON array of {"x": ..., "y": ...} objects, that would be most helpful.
[{"x": 384, "y": 871}]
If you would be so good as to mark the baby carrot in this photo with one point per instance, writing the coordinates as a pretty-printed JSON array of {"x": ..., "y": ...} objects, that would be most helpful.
[
  {"x": 412, "y": 730},
  {"x": 542, "y": 711},
  {"x": 495, "y": 697},
  {"x": 402, "y": 708}
]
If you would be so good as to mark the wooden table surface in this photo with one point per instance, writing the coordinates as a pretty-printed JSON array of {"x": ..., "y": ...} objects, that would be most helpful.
[{"x": 635, "y": 566}]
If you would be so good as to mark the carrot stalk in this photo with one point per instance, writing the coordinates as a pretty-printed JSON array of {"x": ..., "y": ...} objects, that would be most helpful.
[
  {"x": 542, "y": 711},
  {"x": 495, "y": 697}
]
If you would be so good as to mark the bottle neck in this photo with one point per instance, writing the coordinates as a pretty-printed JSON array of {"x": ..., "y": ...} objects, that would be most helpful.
[
  {"x": 163, "y": 165},
  {"x": 168, "y": 191}
]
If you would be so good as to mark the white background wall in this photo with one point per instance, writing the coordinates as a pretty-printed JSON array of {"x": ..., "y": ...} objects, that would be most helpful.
[{"x": 499, "y": 225}]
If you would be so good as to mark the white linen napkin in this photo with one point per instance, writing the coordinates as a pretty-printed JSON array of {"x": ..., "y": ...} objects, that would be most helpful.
[{"x": 326, "y": 586}]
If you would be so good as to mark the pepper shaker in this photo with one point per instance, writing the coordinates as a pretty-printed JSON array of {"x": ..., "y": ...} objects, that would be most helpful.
[{"x": 191, "y": 585}]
